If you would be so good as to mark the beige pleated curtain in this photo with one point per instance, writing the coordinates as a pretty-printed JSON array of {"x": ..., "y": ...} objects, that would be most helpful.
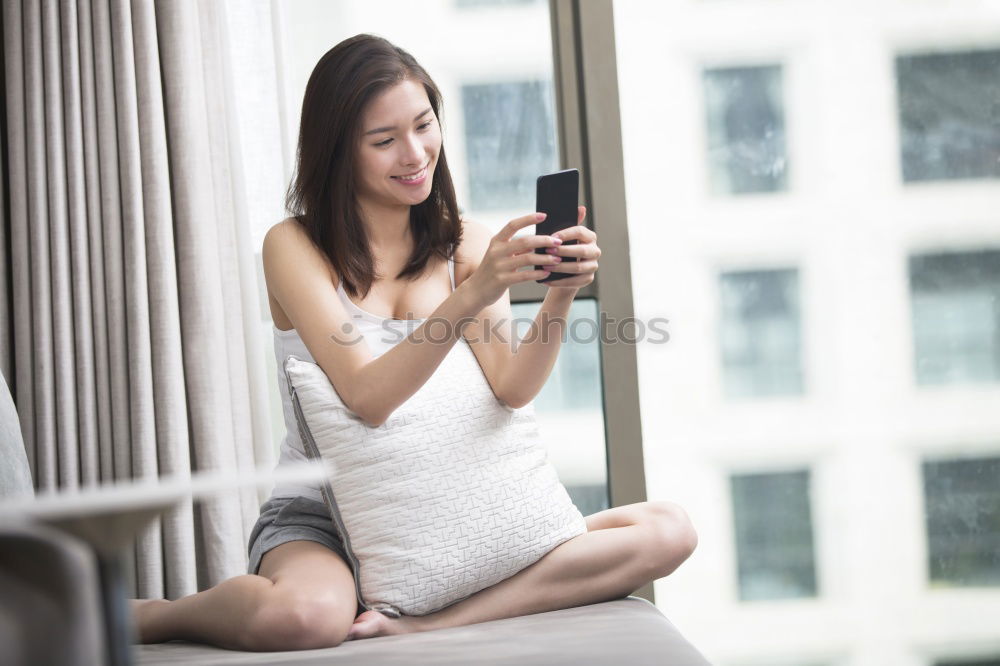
[{"x": 130, "y": 320}]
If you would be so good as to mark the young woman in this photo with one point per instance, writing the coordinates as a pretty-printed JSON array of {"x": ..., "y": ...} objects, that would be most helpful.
[{"x": 376, "y": 253}]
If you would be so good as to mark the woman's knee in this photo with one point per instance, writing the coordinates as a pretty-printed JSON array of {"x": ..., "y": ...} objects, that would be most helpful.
[
  {"x": 300, "y": 621},
  {"x": 674, "y": 536}
]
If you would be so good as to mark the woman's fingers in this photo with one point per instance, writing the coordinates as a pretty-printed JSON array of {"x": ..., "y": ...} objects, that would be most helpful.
[
  {"x": 512, "y": 254},
  {"x": 525, "y": 243},
  {"x": 579, "y": 232},
  {"x": 575, "y": 267},
  {"x": 515, "y": 225},
  {"x": 530, "y": 259},
  {"x": 533, "y": 275},
  {"x": 511, "y": 228},
  {"x": 580, "y": 251}
]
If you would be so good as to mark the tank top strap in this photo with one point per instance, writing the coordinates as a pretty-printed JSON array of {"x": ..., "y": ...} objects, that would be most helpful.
[{"x": 343, "y": 293}]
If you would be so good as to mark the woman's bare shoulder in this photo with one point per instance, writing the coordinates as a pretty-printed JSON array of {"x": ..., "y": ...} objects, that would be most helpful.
[
  {"x": 289, "y": 226},
  {"x": 290, "y": 240},
  {"x": 475, "y": 239}
]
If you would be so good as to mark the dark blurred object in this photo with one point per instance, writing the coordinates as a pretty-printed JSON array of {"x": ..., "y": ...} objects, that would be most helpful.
[{"x": 50, "y": 606}]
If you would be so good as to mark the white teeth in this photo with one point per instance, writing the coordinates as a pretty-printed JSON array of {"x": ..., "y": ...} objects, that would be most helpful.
[{"x": 415, "y": 176}]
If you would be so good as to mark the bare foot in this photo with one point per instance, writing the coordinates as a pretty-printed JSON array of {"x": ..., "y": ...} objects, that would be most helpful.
[
  {"x": 141, "y": 612},
  {"x": 371, "y": 624}
]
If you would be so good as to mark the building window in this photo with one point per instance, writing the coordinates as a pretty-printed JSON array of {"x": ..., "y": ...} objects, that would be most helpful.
[
  {"x": 962, "y": 501},
  {"x": 760, "y": 333},
  {"x": 949, "y": 115},
  {"x": 774, "y": 538},
  {"x": 746, "y": 130},
  {"x": 956, "y": 316},
  {"x": 510, "y": 141}
]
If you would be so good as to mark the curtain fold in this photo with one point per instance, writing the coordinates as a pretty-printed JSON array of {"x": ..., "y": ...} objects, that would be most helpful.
[
  {"x": 198, "y": 196},
  {"x": 228, "y": 178},
  {"x": 231, "y": 126},
  {"x": 96, "y": 271},
  {"x": 136, "y": 348},
  {"x": 80, "y": 301},
  {"x": 20, "y": 376},
  {"x": 65, "y": 462},
  {"x": 6, "y": 325},
  {"x": 6, "y": 305},
  {"x": 171, "y": 418}
]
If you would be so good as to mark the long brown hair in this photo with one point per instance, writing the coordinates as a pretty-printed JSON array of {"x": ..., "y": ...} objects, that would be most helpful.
[{"x": 322, "y": 195}]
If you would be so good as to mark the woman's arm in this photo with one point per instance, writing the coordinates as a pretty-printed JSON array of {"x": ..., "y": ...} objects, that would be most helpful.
[
  {"x": 515, "y": 371},
  {"x": 299, "y": 278},
  {"x": 528, "y": 369}
]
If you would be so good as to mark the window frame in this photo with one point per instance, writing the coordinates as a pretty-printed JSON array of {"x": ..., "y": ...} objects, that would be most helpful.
[{"x": 588, "y": 121}]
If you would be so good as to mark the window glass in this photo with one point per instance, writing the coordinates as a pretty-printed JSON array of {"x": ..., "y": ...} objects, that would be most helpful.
[
  {"x": 746, "y": 130},
  {"x": 759, "y": 333},
  {"x": 949, "y": 115},
  {"x": 509, "y": 141},
  {"x": 570, "y": 405},
  {"x": 774, "y": 540},
  {"x": 962, "y": 503},
  {"x": 956, "y": 316}
]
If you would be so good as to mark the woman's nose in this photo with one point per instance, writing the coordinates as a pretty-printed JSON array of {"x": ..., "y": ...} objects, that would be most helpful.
[{"x": 414, "y": 150}]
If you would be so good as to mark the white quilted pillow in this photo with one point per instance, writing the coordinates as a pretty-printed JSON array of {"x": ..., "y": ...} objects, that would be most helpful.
[{"x": 452, "y": 494}]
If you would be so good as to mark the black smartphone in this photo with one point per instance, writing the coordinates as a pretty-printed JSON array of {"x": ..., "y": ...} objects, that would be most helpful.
[{"x": 557, "y": 196}]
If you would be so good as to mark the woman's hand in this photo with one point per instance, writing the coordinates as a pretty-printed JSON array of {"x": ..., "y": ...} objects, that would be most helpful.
[
  {"x": 505, "y": 255},
  {"x": 585, "y": 251}
]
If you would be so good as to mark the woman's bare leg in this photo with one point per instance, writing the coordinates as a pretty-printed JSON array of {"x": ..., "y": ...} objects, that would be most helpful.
[
  {"x": 217, "y": 616},
  {"x": 303, "y": 598},
  {"x": 623, "y": 549}
]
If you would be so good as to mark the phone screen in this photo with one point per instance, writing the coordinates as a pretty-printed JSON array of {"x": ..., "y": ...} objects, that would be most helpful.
[{"x": 557, "y": 197}]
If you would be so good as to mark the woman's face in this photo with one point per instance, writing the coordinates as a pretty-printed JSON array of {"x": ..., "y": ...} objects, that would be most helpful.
[{"x": 399, "y": 148}]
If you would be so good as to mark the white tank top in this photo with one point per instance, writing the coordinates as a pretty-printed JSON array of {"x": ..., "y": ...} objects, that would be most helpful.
[{"x": 380, "y": 333}]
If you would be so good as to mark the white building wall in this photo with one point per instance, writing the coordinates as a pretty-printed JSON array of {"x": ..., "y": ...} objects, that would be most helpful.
[{"x": 848, "y": 224}]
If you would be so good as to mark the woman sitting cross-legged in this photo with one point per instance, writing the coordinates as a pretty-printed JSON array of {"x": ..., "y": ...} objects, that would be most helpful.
[{"x": 377, "y": 241}]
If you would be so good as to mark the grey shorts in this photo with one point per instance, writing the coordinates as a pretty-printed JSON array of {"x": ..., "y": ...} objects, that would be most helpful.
[{"x": 284, "y": 519}]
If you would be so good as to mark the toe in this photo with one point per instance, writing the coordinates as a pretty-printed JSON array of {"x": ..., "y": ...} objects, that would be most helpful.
[{"x": 365, "y": 626}]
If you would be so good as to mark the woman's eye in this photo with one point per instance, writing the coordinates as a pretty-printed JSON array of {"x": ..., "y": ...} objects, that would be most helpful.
[{"x": 386, "y": 142}]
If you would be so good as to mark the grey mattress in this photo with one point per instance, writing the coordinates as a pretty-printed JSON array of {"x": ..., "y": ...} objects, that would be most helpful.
[{"x": 629, "y": 631}]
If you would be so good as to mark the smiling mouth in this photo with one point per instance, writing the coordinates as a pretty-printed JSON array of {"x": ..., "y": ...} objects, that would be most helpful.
[{"x": 414, "y": 176}]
